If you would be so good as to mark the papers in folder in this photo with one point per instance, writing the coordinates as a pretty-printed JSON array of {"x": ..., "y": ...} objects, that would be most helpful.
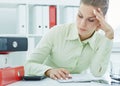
[{"x": 83, "y": 78}]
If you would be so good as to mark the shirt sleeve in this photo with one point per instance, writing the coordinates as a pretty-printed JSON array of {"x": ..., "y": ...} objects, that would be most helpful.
[
  {"x": 34, "y": 65},
  {"x": 100, "y": 62}
]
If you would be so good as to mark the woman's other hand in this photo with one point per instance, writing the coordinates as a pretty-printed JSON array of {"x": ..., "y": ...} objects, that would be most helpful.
[{"x": 103, "y": 25}]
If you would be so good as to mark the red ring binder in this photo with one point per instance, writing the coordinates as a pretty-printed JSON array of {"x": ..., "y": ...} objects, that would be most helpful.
[{"x": 11, "y": 74}]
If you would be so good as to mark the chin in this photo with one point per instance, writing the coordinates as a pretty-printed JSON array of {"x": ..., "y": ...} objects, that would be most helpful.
[{"x": 81, "y": 32}]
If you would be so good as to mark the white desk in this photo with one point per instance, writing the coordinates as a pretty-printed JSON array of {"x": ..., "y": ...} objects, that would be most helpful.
[{"x": 50, "y": 82}]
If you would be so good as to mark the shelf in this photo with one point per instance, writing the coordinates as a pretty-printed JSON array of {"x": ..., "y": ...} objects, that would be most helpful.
[
  {"x": 55, "y": 2},
  {"x": 13, "y": 1},
  {"x": 12, "y": 35},
  {"x": 42, "y": 2},
  {"x": 34, "y": 35}
]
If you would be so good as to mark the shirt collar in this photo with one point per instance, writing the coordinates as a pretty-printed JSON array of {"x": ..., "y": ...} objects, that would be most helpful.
[
  {"x": 72, "y": 34},
  {"x": 92, "y": 41}
]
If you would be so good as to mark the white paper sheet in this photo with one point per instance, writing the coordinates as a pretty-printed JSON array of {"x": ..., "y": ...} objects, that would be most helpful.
[{"x": 84, "y": 78}]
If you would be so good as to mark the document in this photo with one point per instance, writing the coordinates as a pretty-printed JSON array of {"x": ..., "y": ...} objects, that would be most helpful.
[{"x": 83, "y": 78}]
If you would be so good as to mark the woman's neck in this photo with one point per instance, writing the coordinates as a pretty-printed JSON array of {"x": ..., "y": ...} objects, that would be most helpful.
[{"x": 82, "y": 38}]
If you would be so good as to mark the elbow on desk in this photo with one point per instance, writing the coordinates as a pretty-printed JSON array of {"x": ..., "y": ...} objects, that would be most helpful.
[{"x": 98, "y": 70}]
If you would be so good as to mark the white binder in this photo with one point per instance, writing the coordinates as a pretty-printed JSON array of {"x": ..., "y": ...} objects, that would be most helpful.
[
  {"x": 46, "y": 20},
  {"x": 22, "y": 19},
  {"x": 38, "y": 20},
  {"x": 68, "y": 14}
]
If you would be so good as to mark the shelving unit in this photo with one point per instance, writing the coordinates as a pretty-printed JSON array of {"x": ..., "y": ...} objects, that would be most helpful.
[
  {"x": 42, "y": 2},
  {"x": 17, "y": 19}
]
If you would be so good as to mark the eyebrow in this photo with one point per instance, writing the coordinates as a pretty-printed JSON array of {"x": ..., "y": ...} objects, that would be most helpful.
[{"x": 88, "y": 17}]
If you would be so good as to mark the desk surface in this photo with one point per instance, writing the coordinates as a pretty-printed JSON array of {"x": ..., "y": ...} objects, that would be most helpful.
[{"x": 51, "y": 82}]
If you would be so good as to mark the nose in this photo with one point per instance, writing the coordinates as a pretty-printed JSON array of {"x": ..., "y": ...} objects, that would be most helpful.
[{"x": 83, "y": 23}]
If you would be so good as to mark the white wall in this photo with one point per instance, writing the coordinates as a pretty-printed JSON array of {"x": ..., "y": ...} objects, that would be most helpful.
[{"x": 8, "y": 20}]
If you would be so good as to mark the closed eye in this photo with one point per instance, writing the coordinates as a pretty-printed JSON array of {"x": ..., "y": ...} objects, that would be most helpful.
[
  {"x": 80, "y": 16},
  {"x": 91, "y": 20}
]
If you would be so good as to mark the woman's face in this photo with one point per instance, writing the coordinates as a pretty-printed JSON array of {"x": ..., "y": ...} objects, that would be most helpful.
[{"x": 86, "y": 21}]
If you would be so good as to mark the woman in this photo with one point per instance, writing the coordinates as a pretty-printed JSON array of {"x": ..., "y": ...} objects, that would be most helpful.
[{"x": 76, "y": 47}]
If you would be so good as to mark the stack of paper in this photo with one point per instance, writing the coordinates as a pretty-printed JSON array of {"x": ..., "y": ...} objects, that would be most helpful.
[{"x": 84, "y": 78}]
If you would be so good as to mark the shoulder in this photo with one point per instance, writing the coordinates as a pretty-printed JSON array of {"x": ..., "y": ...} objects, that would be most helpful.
[
  {"x": 102, "y": 40},
  {"x": 100, "y": 36},
  {"x": 60, "y": 29}
]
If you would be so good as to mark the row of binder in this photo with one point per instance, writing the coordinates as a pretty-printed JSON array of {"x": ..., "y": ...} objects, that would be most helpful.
[{"x": 43, "y": 18}]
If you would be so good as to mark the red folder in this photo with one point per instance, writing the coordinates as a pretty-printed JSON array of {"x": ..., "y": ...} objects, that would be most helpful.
[
  {"x": 52, "y": 15},
  {"x": 4, "y": 52},
  {"x": 10, "y": 75}
]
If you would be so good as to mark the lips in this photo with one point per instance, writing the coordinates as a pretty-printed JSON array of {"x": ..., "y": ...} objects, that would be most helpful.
[{"x": 82, "y": 29}]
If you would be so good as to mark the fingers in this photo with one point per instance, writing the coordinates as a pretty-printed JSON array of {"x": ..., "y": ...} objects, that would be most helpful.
[
  {"x": 65, "y": 71},
  {"x": 62, "y": 75},
  {"x": 100, "y": 11},
  {"x": 53, "y": 76},
  {"x": 59, "y": 74},
  {"x": 65, "y": 74},
  {"x": 100, "y": 17},
  {"x": 99, "y": 14}
]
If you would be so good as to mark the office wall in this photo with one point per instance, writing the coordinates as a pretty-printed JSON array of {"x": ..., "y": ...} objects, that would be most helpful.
[{"x": 8, "y": 20}]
